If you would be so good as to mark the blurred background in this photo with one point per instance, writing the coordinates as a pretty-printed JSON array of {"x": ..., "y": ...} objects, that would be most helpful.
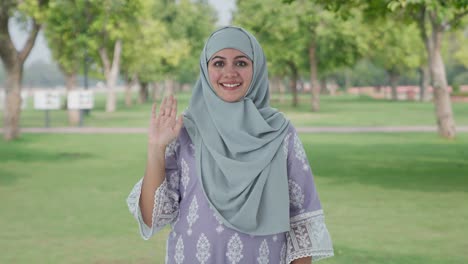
[{"x": 383, "y": 84}]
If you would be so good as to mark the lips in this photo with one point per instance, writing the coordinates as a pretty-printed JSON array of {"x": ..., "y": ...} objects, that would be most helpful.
[{"x": 230, "y": 86}]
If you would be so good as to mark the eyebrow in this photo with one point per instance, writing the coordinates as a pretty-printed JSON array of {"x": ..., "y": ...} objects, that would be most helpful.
[{"x": 223, "y": 58}]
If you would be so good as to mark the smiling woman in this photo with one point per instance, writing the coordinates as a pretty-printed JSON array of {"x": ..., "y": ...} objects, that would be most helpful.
[
  {"x": 230, "y": 74},
  {"x": 230, "y": 176}
]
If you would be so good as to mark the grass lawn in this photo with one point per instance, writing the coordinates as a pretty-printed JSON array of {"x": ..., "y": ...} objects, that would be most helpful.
[
  {"x": 343, "y": 110},
  {"x": 388, "y": 198}
]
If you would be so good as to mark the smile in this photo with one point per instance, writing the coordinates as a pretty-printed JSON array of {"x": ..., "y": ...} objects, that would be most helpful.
[{"x": 230, "y": 85}]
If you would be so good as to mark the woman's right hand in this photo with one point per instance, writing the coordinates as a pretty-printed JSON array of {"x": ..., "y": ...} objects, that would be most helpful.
[{"x": 164, "y": 126}]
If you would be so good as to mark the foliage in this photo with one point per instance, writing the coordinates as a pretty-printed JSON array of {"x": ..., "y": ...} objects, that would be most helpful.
[
  {"x": 396, "y": 47},
  {"x": 287, "y": 30},
  {"x": 66, "y": 33}
]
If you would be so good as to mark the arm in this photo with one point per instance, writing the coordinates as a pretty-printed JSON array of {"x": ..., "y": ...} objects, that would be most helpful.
[
  {"x": 163, "y": 129},
  {"x": 306, "y": 260},
  {"x": 308, "y": 240}
]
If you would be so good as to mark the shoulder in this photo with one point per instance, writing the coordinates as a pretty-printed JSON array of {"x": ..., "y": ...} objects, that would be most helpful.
[{"x": 184, "y": 138}]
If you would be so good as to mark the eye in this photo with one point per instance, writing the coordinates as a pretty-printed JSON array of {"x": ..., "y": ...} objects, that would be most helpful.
[
  {"x": 218, "y": 63},
  {"x": 242, "y": 63}
]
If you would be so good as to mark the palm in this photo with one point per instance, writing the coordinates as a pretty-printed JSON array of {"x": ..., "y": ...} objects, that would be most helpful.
[{"x": 164, "y": 127}]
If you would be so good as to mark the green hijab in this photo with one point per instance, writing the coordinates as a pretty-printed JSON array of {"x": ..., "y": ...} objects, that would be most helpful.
[{"x": 238, "y": 146}]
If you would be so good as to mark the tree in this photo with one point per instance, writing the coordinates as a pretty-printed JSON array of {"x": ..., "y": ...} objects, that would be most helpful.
[
  {"x": 189, "y": 23},
  {"x": 108, "y": 29},
  {"x": 277, "y": 30},
  {"x": 395, "y": 47},
  {"x": 32, "y": 14},
  {"x": 439, "y": 16},
  {"x": 65, "y": 30},
  {"x": 304, "y": 36},
  {"x": 434, "y": 18}
]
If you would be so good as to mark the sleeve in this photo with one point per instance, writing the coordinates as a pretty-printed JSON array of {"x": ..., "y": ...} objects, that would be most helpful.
[
  {"x": 308, "y": 235},
  {"x": 166, "y": 197}
]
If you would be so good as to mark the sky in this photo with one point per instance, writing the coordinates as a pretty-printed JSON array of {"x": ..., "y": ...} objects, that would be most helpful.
[{"x": 41, "y": 52}]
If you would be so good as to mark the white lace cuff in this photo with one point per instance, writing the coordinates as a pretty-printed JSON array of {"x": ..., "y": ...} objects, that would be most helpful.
[
  {"x": 165, "y": 208},
  {"x": 308, "y": 237}
]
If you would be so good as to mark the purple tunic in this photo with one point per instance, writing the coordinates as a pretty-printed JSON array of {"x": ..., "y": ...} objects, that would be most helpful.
[{"x": 197, "y": 236}]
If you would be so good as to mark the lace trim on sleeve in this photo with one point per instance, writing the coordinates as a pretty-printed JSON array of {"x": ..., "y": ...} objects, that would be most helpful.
[
  {"x": 308, "y": 237},
  {"x": 134, "y": 198},
  {"x": 165, "y": 210}
]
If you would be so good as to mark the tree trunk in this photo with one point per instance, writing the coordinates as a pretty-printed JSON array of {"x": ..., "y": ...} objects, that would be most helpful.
[
  {"x": 128, "y": 90},
  {"x": 73, "y": 114},
  {"x": 13, "y": 61},
  {"x": 169, "y": 85},
  {"x": 293, "y": 83},
  {"x": 347, "y": 79},
  {"x": 111, "y": 71},
  {"x": 323, "y": 86},
  {"x": 282, "y": 91},
  {"x": 12, "y": 112},
  {"x": 156, "y": 91},
  {"x": 424, "y": 81},
  {"x": 144, "y": 92},
  {"x": 443, "y": 105},
  {"x": 393, "y": 79},
  {"x": 315, "y": 86}
]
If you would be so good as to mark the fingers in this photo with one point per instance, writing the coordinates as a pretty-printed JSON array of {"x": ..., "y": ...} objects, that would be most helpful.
[
  {"x": 153, "y": 110},
  {"x": 174, "y": 107},
  {"x": 168, "y": 108}
]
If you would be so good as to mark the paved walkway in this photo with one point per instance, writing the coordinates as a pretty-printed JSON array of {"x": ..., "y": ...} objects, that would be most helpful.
[{"x": 127, "y": 130}]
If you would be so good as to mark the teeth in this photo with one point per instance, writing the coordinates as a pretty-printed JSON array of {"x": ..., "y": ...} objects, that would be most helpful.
[{"x": 231, "y": 85}]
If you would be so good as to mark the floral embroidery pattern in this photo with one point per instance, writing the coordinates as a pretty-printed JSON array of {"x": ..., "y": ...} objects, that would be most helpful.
[
  {"x": 234, "y": 251},
  {"x": 166, "y": 206},
  {"x": 296, "y": 195},
  {"x": 308, "y": 237},
  {"x": 283, "y": 254},
  {"x": 171, "y": 148},
  {"x": 220, "y": 227},
  {"x": 192, "y": 148},
  {"x": 179, "y": 251},
  {"x": 264, "y": 252},
  {"x": 185, "y": 175},
  {"x": 286, "y": 144},
  {"x": 300, "y": 152},
  {"x": 203, "y": 249},
  {"x": 192, "y": 215},
  {"x": 174, "y": 180}
]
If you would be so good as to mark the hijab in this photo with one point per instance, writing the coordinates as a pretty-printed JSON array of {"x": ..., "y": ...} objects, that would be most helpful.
[{"x": 238, "y": 146}]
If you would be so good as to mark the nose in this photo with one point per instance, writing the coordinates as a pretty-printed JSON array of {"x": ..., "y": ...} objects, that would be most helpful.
[{"x": 230, "y": 71}]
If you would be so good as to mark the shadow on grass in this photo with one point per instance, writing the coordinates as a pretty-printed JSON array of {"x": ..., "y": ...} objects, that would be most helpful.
[
  {"x": 8, "y": 177},
  {"x": 33, "y": 155},
  {"x": 413, "y": 166},
  {"x": 19, "y": 154}
]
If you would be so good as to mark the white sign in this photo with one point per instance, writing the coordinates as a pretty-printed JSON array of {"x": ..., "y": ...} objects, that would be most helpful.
[
  {"x": 24, "y": 100},
  {"x": 46, "y": 100},
  {"x": 82, "y": 99}
]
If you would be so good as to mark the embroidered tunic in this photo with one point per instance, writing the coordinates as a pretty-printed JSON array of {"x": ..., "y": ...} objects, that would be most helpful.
[{"x": 198, "y": 236}]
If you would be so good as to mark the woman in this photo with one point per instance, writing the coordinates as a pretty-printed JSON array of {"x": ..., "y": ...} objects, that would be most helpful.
[{"x": 230, "y": 175}]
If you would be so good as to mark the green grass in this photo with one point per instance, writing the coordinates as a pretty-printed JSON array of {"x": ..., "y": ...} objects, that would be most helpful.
[
  {"x": 388, "y": 198},
  {"x": 343, "y": 110}
]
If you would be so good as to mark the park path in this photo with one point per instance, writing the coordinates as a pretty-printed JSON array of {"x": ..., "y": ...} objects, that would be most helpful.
[{"x": 321, "y": 129}]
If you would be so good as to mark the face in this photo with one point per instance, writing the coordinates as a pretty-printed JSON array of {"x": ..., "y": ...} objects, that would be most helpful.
[{"x": 230, "y": 74}]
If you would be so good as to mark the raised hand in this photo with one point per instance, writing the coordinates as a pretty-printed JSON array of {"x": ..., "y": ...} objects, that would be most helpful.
[{"x": 164, "y": 126}]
